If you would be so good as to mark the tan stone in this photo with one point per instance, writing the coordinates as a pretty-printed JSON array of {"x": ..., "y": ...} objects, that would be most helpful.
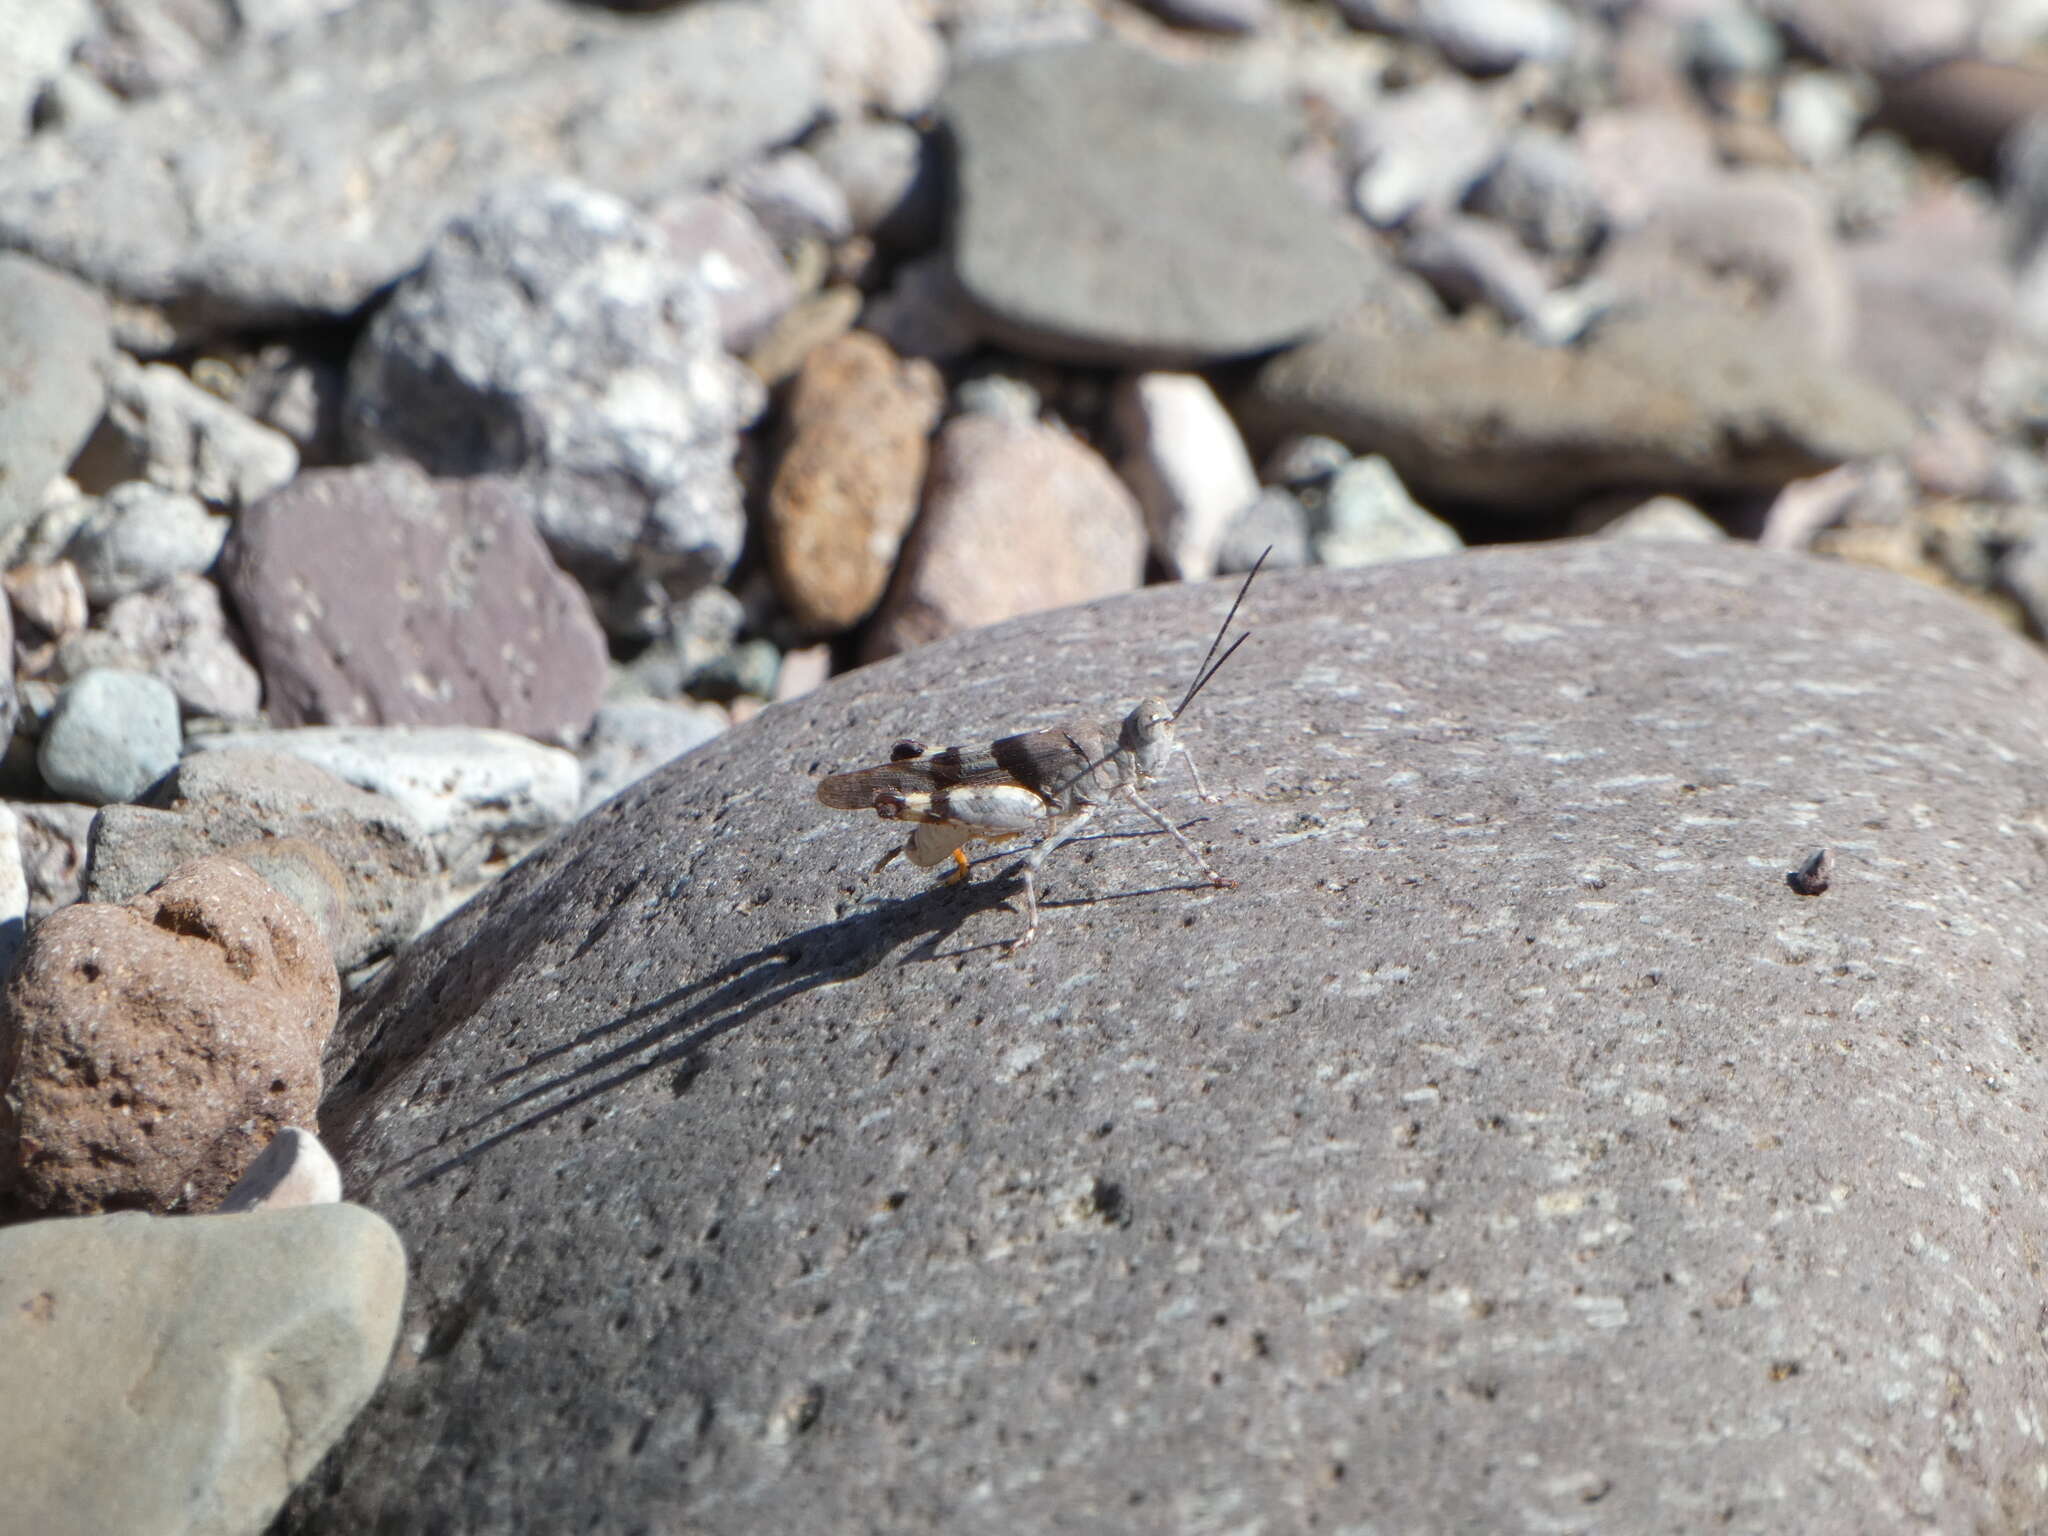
[
  {"x": 1018, "y": 517},
  {"x": 148, "y": 1051},
  {"x": 846, "y": 489},
  {"x": 806, "y": 325}
]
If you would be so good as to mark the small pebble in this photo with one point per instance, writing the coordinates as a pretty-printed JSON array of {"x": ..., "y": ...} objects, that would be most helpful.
[
  {"x": 1812, "y": 877},
  {"x": 111, "y": 736},
  {"x": 1368, "y": 518},
  {"x": 295, "y": 1169}
]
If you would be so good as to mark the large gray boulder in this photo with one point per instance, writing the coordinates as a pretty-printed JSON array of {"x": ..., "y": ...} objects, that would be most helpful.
[{"x": 1512, "y": 1150}]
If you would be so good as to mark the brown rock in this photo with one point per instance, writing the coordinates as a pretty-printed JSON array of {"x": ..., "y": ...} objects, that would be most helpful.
[
  {"x": 48, "y": 599},
  {"x": 376, "y": 596},
  {"x": 149, "y": 1051},
  {"x": 810, "y": 323},
  {"x": 846, "y": 490},
  {"x": 1018, "y": 517}
]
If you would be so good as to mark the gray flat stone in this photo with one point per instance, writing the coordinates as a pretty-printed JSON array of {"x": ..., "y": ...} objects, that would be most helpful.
[
  {"x": 1512, "y": 1150},
  {"x": 334, "y": 153},
  {"x": 163, "y": 428},
  {"x": 225, "y": 801},
  {"x": 1187, "y": 245},
  {"x": 182, "y": 1374},
  {"x": 54, "y": 351},
  {"x": 480, "y": 797},
  {"x": 1687, "y": 397}
]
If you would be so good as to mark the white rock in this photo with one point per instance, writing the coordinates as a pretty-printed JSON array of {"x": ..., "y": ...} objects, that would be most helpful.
[
  {"x": 13, "y": 891},
  {"x": 1422, "y": 150},
  {"x": 1493, "y": 36},
  {"x": 878, "y": 53},
  {"x": 1368, "y": 518},
  {"x": 37, "y": 37},
  {"x": 1820, "y": 112},
  {"x": 481, "y": 796},
  {"x": 1187, "y": 464},
  {"x": 1665, "y": 517},
  {"x": 295, "y": 1169},
  {"x": 630, "y": 738}
]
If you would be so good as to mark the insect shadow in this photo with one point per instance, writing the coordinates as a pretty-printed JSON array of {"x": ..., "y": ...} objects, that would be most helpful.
[{"x": 672, "y": 1031}]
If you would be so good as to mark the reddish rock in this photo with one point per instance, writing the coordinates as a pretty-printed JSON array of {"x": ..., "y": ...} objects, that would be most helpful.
[
  {"x": 846, "y": 490},
  {"x": 1018, "y": 517},
  {"x": 149, "y": 1051},
  {"x": 377, "y": 596}
]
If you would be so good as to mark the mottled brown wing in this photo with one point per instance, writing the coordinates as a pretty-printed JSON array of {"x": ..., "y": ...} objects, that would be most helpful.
[{"x": 1038, "y": 760}]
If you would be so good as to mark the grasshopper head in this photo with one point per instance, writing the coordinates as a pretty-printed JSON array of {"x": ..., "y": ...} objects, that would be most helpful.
[{"x": 1147, "y": 736}]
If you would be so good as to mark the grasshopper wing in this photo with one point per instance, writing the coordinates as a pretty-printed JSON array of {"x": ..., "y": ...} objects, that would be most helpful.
[{"x": 1035, "y": 760}]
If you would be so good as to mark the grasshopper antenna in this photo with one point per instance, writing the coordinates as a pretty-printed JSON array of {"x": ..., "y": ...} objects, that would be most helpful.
[
  {"x": 1202, "y": 675},
  {"x": 1204, "y": 672}
]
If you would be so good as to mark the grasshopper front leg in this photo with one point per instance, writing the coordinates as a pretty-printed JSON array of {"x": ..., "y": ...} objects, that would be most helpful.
[
  {"x": 1201, "y": 792},
  {"x": 1186, "y": 847}
]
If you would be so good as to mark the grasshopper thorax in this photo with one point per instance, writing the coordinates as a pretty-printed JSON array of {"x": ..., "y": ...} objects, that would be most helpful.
[{"x": 1146, "y": 738}]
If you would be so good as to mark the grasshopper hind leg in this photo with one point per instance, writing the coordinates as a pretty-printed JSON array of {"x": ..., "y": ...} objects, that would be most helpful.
[{"x": 1034, "y": 863}]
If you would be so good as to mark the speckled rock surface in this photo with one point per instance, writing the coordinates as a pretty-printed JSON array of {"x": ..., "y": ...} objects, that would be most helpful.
[
  {"x": 1394, "y": 1190},
  {"x": 845, "y": 490}
]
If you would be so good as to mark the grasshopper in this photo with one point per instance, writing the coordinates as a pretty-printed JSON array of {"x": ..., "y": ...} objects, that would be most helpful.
[{"x": 1051, "y": 782}]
